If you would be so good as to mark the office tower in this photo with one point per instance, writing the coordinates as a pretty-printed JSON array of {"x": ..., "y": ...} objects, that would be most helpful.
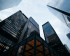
[
  {"x": 61, "y": 9},
  {"x": 34, "y": 45},
  {"x": 13, "y": 24},
  {"x": 30, "y": 26},
  {"x": 10, "y": 30},
  {"x": 53, "y": 40},
  {"x": 8, "y": 4}
]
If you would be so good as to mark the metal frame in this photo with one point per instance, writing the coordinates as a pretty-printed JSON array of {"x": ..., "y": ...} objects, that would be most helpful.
[{"x": 37, "y": 44}]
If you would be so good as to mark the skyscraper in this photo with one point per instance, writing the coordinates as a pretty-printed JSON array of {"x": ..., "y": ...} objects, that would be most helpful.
[
  {"x": 30, "y": 26},
  {"x": 8, "y": 4},
  {"x": 53, "y": 40},
  {"x": 13, "y": 24},
  {"x": 10, "y": 30},
  {"x": 34, "y": 45},
  {"x": 61, "y": 9}
]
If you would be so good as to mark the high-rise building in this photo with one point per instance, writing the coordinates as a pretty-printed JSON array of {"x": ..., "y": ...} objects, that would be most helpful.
[
  {"x": 30, "y": 26},
  {"x": 53, "y": 40},
  {"x": 8, "y": 4},
  {"x": 34, "y": 45},
  {"x": 13, "y": 24},
  {"x": 61, "y": 9},
  {"x": 10, "y": 30}
]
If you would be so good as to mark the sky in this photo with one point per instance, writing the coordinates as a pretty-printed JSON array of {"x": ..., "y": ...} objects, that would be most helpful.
[
  {"x": 38, "y": 10},
  {"x": 8, "y": 3},
  {"x": 61, "y": 4}
]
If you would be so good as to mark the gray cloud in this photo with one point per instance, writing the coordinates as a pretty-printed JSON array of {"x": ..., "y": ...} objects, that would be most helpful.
[{"x": 4, "y": 4}]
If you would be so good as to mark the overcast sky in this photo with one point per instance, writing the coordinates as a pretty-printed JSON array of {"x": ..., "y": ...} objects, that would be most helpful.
[
  {"x": 39, "y": 11},
  {"x": 8, "y": 3}
]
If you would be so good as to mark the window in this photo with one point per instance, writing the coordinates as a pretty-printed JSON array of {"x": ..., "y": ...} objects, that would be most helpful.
[{"x": 48, "y": 29}]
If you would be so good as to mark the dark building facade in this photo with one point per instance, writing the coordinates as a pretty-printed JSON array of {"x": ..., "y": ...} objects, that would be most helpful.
[
  {"x": 30, "y": 26},
  {"x": 20, "y": 36},
  {"x": 10, "y": 30},
  {"x": 53, "y": 40},
  {"x": 13, "y": 23},
  {"x": 61, "y": 10},
  {"x": 34, "y": 45}
]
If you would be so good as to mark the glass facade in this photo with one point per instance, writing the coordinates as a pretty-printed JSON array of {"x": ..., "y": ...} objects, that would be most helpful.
[
  {"x": 34, "y": 45},
  {"x": 13, "y": 24},
  {"x": 10, "y": 30},
  {"x": 53, "y": 40},
  {"x": 34, "y": 22},
  {"x": 5, "y": 42},
  {"x": 48, "y": 30},
  {"x": 30, "y": 26},
  {"x": 62, "y": 5},
  {"x": 56, "y": 7}
]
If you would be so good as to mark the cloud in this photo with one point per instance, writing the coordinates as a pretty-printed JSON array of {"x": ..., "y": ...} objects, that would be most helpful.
[
  {"x": 56, "y": 3},
  {"x": 8, "y": 4},
  {"x": 7, "y": 12}
]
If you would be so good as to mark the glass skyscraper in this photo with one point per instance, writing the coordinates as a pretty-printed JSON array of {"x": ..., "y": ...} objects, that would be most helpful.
[
  {"x": 53, "y": 40},
  {"x": 29, "y": 44},
  {"x": 13, "y": 24},
  {"x": 10, "y": 30},
  {"x": 61, "y": 9},
  {"x": 48, "y": 31},
  {"x": 62, "y": 5},
  {"x": 15, "y": 29},
  {"x": 30, "y": 26},
  {"x": 34, "y": 45}
]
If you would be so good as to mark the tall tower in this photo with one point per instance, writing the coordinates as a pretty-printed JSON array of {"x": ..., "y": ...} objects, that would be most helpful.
[
  {"x": 10, "y": 29},
  {"x": 30, "y": 26},
  {"x": 53, "y": 40},
  {"x": 61, "y": 9}
]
